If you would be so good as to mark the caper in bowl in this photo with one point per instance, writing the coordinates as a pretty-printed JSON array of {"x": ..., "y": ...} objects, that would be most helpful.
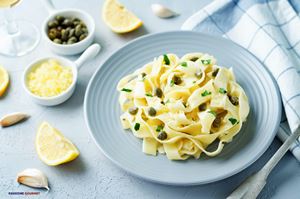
[
  {"x": 66, "y": 30},
  {"x": 60, "y": 33}
]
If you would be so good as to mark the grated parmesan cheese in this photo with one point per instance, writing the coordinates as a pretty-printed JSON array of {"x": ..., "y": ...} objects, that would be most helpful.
[{"x": 49, "y": 79}]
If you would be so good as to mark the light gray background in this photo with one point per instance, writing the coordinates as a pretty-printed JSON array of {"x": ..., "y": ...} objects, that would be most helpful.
[{"x": 92, "y": 175}]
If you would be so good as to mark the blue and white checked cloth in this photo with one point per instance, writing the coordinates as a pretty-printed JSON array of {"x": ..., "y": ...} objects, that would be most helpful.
[{"x": 270, "y": 29}]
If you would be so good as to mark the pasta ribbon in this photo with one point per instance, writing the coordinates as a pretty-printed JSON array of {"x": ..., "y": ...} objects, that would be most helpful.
[{"x": 181, "y": 106}]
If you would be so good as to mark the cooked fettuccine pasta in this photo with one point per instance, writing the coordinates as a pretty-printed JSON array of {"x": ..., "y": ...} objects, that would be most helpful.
[{"x": 180, "y": 106}]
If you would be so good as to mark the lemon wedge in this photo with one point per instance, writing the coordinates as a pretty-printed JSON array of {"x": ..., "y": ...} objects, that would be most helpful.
[
  {"x": 52, "y": 147},
  {"x": 118, "y": 18},
  {"x": 4, "y": 80}
]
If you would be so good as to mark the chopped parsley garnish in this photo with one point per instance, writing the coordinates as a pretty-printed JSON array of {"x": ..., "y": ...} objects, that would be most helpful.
[
  {"x": 213, "y": 112},
  {"x": 172, "y": 83},
  {"x": 137, "y": 126},
  {"x": 149, "y": 95},
  {"x": 184, "y": 64},
  {"x": 194, "y": 82},
  {"x": 232, "y": 120},
  {"x": 168, "y": 101},
  {"x": 166, "y": 60},
  {"x": 206, "y": 62},
  {"x": 159, "y": 128},
  {"x": 126, "y": 90},
  {"x": 205, "y": 93},
  {"x": 222, "y": 90}
]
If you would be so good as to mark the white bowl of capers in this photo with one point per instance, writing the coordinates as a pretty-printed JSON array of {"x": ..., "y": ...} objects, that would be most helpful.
[{"x": 69, "y": 31}]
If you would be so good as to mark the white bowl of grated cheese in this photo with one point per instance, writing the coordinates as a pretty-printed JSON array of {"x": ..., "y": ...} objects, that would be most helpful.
[{"x": 51, "y": 80}]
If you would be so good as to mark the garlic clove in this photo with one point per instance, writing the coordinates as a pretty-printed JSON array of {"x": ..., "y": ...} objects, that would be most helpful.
[
  {"x": 33, "y": 178},
  {"x": 162, "y": 12},
  {"x": 12, "y": 118}
]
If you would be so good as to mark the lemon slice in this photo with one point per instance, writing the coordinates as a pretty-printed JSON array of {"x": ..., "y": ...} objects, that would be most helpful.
[
  {"x": 118, "y": 18},
  {"x": 52, "y": 147},
  {"x": 4, "y": 80}
]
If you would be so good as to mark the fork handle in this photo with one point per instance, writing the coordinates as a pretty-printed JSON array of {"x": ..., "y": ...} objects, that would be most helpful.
[{"x": 253, "y": 185}]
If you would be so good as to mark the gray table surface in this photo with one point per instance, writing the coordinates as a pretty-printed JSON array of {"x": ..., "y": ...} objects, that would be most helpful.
[{"x": 92, "y": 175}]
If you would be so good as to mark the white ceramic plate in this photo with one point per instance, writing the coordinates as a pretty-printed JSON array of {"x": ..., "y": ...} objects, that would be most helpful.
[{"x": 102, "y": 110}]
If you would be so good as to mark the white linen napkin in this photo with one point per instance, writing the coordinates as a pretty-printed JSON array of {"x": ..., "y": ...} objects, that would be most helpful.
[{"x": 269, "y": 29}]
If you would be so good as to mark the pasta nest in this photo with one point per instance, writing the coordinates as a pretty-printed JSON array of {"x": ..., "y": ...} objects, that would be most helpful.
[{"x": 180, "y": 106}]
